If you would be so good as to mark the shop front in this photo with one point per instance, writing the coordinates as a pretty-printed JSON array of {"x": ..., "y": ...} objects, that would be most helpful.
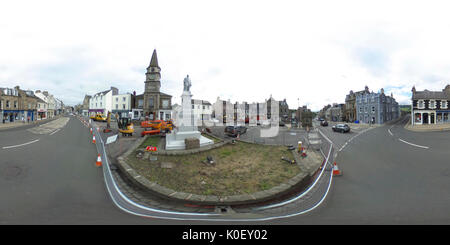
[
  {"x": 13, "y": 115},
  {"x": 442, "y": 116},
  {"x": 122, "y": 113},
  {"x": 426, "y": 117},
  {"x": 42, "y": 114},
  {"x": 93, "y": 112}
]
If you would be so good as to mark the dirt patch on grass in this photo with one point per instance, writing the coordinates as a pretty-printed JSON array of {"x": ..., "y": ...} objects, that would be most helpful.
[{"x": 241, "y": 168}]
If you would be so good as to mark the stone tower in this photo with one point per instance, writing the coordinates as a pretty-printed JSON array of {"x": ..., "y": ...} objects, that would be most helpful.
[{"x": 152, "y": 88}]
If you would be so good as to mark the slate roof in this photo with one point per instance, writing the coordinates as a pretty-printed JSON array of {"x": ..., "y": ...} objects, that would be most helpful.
[
  {"x": 102, "y": 93},
  {"x": 163, "y": 94},
  {"x": 431, "y": 95}
]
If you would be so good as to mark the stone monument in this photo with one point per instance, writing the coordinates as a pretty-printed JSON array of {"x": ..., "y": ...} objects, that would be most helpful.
[{"x": 186, "y": 129}]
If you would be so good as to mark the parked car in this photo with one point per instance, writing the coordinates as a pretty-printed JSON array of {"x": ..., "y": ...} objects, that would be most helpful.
[
  {"x": 343, "y": 128},
  {"x": 323, "y": 123},
  {"x": 233, "y": 131}
]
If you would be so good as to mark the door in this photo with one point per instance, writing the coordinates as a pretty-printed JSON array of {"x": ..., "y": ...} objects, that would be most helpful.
[{"x": 425, "y": 118}]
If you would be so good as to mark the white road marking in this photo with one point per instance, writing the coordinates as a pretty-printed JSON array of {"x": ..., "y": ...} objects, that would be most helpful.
[
  {"x": 406, "y": 142},
  {"x": 50, "y": 127},
  {"x": 353, "y": 137},
  {"x": 389, "y": 130},
  {"x": 13, "y": 146},
  {"x": 55, "y": 131}
]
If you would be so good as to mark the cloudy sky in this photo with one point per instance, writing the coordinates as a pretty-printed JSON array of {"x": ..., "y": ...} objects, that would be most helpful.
[{"x": 311, "y": 53}]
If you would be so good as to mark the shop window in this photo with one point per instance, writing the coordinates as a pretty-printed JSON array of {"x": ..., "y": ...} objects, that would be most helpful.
[
  {"x": 417, "y": 118},
  {"x": 439, "y": 117}
]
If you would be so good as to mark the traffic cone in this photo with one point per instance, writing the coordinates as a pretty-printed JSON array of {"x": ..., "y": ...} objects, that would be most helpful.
[
  {"x": 91, "y": 130},
  {"x": 99, "y": 161},
  {"x": 336, "y": 171},
  {"x": 93, "y": 139}
]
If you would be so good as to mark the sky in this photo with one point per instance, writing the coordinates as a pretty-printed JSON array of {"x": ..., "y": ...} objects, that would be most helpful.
[{"x": 307, "y": 52}]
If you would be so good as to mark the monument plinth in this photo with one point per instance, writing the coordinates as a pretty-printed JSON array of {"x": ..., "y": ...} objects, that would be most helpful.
[{"x": 186, "y": 127}]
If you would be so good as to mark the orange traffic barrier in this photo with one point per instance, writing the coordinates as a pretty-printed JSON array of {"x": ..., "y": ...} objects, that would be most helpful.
[
  {"x": 93, "y": 139},
  {"x": 336, "y": 170},
  {"x": 99, "y": 161}
]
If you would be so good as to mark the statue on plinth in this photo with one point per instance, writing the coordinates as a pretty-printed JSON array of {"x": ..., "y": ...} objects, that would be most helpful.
[{"x": 187, "y": 84}]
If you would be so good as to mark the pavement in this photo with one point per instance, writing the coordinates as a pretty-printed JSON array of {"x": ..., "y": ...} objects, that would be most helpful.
[
  {"x": 428, "y": 127},
  {"x": 20, "y": 124}
]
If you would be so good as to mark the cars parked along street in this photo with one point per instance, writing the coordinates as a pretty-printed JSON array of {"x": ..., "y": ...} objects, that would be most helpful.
[{"x": 233, "y": 131}]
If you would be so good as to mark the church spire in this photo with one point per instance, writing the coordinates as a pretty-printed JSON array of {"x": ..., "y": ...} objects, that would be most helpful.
[{"x": 154, "y": 60}]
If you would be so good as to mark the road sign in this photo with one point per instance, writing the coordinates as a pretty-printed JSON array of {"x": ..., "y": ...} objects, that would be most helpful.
[{"x": 111, "y": 139}]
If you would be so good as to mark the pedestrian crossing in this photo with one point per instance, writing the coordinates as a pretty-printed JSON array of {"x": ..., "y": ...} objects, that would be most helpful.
[{"x": 50, "y": 127}]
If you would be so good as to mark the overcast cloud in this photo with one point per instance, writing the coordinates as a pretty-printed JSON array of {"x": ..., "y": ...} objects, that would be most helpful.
[{"x": 316, "y": 51}]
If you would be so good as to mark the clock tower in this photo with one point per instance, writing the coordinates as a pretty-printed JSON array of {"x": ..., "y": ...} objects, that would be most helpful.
[
  {"x": 152, "y": 89},
  {"x": 153, "y": 75}
]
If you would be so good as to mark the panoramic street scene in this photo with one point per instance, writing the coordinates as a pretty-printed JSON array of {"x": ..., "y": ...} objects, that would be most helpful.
[{"x": 231, "y": 113}]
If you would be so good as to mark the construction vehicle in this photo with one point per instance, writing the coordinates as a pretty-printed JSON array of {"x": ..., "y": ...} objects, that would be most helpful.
[
  {"x": 156, "y": 126},
  {"x": 100, "y": 118},
  {"x": 125, "y": 125}
]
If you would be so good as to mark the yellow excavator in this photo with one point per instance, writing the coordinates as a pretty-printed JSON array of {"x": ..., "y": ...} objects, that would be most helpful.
[{"x": 126, "y": 127}]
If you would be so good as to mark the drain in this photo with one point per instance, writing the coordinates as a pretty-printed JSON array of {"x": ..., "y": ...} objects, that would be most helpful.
[{"x": 223, "y": 209}]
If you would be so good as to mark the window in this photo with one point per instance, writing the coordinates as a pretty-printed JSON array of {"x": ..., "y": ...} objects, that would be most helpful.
[
  {"x": 140, "y": 103},
  {"x": 7, "y": 104},
  {"x": 117, "y": 99},
  {"x": 421, "y": 104},
  {"x": 123, "y": 106},
  {"x": 117, "y": 106},
  {"x": 165, "y": 103},
  {"x": 124, "y": 99},
  {"x": 432, "y": 104},
  {"x": 373, "y": 109},
  {"x": 443, "y": 104},
  {"x": 15, "y": 104},
  {"x": 150, "y": 102}
]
